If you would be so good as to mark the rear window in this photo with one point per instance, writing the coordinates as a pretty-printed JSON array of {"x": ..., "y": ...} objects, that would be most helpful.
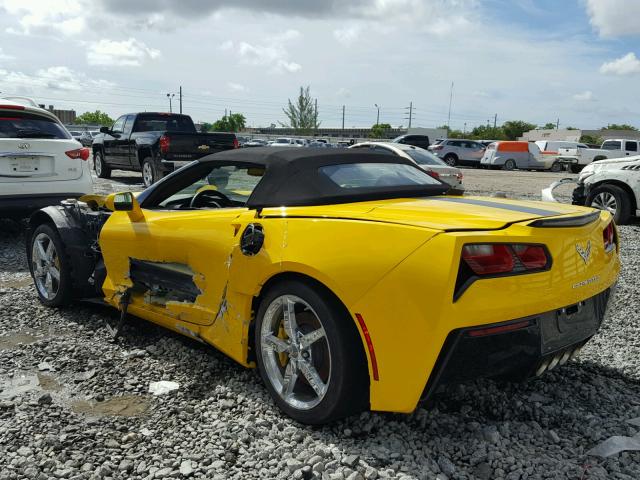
[
  {"x": 422, "y": 157},
  {"x": 15, "y": 124},
  {"x": 371, "y": 175},
  {"x": 612, "y": 145},
  {"x": 164, "y": 123}
]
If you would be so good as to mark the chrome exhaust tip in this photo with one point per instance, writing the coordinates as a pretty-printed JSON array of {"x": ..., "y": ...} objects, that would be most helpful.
[
  {"x": 542, "y": 368},
  {"x": 554, "y": 362}
]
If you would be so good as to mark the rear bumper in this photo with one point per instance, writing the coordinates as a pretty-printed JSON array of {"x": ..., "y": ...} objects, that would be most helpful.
[
  {"x": 27, "y": 203},
  {"x": 518, "y": 349}
]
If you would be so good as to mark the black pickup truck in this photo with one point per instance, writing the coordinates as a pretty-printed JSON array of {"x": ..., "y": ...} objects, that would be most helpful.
[{"x": 154, "y": 143}]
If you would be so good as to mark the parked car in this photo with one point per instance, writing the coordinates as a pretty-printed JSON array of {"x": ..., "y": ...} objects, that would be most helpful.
[
  {"x": 611, "y": 185},
  {"x": 286, "y": 142},
  {"x": 578, "y": 158},
  {"x": 423, "y": 158},
  {"x": 255, "y": 142},
  {"x": 414, "y": 291},
  {"x": 83, "y": 136},
  {"x": 458, "y": 152},
  {"x": 40, "y": 162},
  {"x": 154, "y": 143},
  {"x": 421, "y": 141},
  {"x": 510, "y": 155},
  {"x": 551, "y": 149}
]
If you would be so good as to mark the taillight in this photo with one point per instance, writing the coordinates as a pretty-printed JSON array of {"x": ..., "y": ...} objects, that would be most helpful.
[
  {"x": 609, "y": 237},
  {"x": 436, "y": 147},
  {"x": 236, "y": 143},
  {"x": 488, "y": 259},
  {"x": 12, "y": 107},
  {"x": 165, "y": 143},
  {"x": 81, "y": 153},
  {"x": 499, "y": 259},
  {"x": 434, "y": 174}
]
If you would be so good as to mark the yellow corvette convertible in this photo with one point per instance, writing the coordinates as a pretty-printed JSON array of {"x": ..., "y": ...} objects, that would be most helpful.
[{"x": 350, "y": 279}]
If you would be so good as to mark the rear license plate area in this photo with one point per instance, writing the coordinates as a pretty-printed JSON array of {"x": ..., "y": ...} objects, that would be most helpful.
[{"x": 24, "y": 164}]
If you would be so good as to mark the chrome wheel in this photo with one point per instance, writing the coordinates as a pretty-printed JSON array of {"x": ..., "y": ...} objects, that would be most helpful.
[
  {"x": 147, "y": 174},
  {"x": 295, "y": 352},
  {"x": 605, "y": 201},
  {"x": 97, "y": 164},
  {"x": 45, "y": 266}
]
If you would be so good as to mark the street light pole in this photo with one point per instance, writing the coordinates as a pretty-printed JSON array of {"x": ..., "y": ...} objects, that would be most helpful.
[
  {"x": 170, "y": 96},
  {"x": 378, "y": 117}
]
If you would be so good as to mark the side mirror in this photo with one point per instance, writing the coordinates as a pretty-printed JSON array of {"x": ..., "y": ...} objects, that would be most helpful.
[{"x": 125, "y": 202}]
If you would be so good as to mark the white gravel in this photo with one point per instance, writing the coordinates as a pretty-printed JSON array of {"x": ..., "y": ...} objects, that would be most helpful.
[{"x": 90, "y": 414}]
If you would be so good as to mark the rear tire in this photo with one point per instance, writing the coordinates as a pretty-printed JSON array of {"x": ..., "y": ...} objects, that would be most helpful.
[
  {"x": 340, "y": 381},
  {"x": 509, "y": 165},
  {"x": 612, "y": 199},
  {"x": 556, "y": 167},
  {"x": 150, "y": 174},
  {"x": 100, "y": 166},
  {"x": 50, "y": 267},
  {"x": 451, "y": 160}
]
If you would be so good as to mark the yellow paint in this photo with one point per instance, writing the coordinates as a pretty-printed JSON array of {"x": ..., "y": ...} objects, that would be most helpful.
[{"x": 389, "y": 261}]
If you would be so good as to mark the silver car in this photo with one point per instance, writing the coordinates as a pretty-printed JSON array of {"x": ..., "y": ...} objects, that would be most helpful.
[
  {"x": 425, "y": 160},
  {"x": 458, "y": 152}
]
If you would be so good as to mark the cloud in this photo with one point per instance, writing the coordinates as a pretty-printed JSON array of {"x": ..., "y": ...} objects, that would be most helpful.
[
  {"x": 614, "y": 18},
  {"x": 125, "y": 53},
  {"x": 237, "y": 87},
  {"x": 585, "y": 96},
  {"x": 627, "y": 65},
  {"x": 272, "y": 54},
  {"x": 56, "y": 78},
  {"x": 347, "y": 35},
  {"x": 5, "y": 56},
  {"x": 65, "y": 17}
]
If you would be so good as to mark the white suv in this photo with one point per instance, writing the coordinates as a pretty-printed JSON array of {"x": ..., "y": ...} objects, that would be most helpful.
[{"x": 40, "y": 162}]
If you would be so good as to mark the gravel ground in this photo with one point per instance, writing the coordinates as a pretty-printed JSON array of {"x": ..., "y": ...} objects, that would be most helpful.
[{"x": 73, "y": 404}]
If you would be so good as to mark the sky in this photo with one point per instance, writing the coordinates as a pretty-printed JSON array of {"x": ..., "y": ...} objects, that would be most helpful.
[{"x": 536, "y": 60}]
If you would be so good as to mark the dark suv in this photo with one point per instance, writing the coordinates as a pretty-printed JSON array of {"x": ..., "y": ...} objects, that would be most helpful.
[{"x": 421, "y": 141}]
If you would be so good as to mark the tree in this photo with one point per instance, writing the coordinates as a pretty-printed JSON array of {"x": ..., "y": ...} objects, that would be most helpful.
[
  {"x": 515, "y": 128},
  {"x": 95, "y": 118},
  {"x": 484, "y": 132},
  {"x": 591, "y": 139},
  {"x": 615, "y": 126},
  {"x": 379, "y": 130},
  {"x": 229, "y": 123},
  {"x": 303, "y": 116},
  {"x": 549, "y": 126}
]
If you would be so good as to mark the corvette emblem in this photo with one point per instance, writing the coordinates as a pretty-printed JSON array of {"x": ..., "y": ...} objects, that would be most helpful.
[
  {"x": 24, "y": 146},
  {"x": 203, "y": 147},
  {"x": 584, "y": 253}
]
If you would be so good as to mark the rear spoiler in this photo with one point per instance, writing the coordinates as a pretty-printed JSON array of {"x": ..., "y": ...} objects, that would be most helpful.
[{"x": 574, "y": 221}]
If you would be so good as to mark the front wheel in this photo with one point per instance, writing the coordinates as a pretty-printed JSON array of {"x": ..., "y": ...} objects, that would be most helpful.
[
  {"x": 612, "y": 199},
  {"x": 556, "y": 167},
  {"x": 50, "y": 267},
  {"x": 309, "y": 354},
  {"x": 451, "y": 160}
]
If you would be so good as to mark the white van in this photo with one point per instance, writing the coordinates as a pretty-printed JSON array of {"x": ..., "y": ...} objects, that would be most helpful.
[{"x": 40, "y": 162}]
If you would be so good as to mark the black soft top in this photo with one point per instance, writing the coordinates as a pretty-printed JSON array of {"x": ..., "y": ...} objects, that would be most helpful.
[{"x": 292, "y": 176}]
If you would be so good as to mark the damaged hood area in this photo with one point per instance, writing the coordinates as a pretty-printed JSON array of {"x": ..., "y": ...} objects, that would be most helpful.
[{"x": 445, "y": 213}]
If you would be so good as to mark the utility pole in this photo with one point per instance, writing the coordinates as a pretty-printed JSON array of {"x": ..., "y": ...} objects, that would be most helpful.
[
  {"x": 410, "y": 108},
  {"x": 450, "y": 101},
  {"x": 464, "y": 129},
  {"x": 315, "y": 118},
  {"x": 342, "y": 121},
  {"x": 170, "y": 96},
  {"x": 558, "y": 124},
  {"x": 495, "y": 121},
  {"x": 378, "y": 116},
  {"x": 180, "y": 98}
]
